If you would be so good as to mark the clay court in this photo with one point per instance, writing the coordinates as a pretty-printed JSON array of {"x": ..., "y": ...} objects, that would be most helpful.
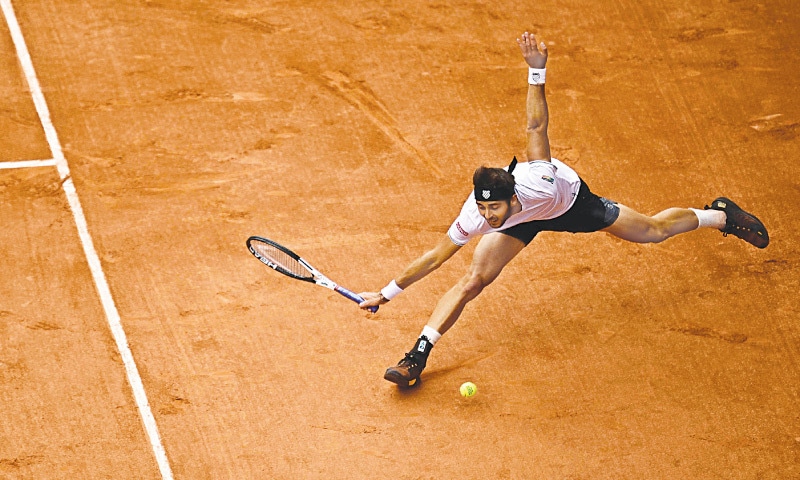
[{"x": 349, "y": 131}]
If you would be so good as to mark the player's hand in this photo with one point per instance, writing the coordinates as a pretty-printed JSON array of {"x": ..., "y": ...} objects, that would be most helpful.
[
  {"x": 371, "y": 299},
  {"x": 535, "y": 52}
]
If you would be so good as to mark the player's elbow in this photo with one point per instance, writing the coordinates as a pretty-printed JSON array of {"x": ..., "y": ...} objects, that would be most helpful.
[
  {"x": 435, "y": 257},
  {"x": 431, "y": 261},
  {"x": 536, "y": 127}
]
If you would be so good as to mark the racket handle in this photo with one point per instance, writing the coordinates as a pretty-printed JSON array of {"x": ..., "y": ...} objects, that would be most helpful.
[{"x": 353, "y": 296}]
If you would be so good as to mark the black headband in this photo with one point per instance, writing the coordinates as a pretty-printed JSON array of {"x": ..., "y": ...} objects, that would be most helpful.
[
  {"x": 485, "y": 194},
  {"x": 488, "y": 194}
]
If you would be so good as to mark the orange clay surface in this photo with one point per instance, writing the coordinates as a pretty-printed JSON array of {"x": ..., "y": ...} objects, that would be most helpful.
[{"x": 349, "y": 131}]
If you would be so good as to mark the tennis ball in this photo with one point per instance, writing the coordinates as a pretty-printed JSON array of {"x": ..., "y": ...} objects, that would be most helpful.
[{"x": 468, "y": 389}]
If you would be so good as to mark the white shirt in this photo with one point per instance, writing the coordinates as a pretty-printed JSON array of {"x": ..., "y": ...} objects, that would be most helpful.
[{"x": 545, "y": 190}]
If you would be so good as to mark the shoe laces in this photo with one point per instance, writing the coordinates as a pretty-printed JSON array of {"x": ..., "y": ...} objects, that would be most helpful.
[
  {"x": 410, "y": 360},
  {"x": 736, "y": 229}
]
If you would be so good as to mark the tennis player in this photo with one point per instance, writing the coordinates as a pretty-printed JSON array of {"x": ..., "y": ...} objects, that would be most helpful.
[{"x": 509, "y": 206}]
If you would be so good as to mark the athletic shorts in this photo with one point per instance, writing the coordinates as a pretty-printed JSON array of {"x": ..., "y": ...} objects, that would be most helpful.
[{"x": 589, "y": 213}]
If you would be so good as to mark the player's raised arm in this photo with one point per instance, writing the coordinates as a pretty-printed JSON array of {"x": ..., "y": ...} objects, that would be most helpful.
[{"x": 535, "y": 54}]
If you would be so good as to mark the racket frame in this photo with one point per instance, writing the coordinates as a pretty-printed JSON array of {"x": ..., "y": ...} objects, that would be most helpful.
[{"x": 316, "y": 276}]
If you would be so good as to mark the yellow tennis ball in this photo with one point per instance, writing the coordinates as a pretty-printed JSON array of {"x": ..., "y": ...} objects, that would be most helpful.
[{"x": 468, "y": 389}]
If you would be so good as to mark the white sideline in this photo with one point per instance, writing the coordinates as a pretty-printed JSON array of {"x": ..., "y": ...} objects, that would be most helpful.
[
  {"x": 29, "y": 164},
  {"x": 109, "y": 307}
]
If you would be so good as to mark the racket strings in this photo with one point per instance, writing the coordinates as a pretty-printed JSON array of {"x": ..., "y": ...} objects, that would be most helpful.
[{"x": 282, "y": 259}]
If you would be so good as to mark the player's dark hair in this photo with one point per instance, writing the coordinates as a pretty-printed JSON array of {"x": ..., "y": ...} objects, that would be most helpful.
[{"x": 492, "y": 184}]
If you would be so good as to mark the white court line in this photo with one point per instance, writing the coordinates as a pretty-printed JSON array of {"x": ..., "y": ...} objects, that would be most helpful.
[
  {"x": 29, "y": 164},
  {"x": 88, "y": 247}
]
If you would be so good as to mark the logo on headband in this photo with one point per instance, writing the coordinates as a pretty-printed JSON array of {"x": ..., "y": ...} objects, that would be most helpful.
[{"x": 486, "y": 194}]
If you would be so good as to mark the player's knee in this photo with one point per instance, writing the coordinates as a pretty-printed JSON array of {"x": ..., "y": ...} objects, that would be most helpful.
[
  {"x": 658, "y": 232},
  {"x": 473, "y": 285}
]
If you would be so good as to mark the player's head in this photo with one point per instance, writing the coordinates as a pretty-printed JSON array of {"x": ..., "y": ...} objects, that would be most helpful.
[{"x": 494, "y": 194}]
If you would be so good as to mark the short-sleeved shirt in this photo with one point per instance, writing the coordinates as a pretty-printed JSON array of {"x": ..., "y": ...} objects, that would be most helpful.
[{"x": 545, "y": 190}]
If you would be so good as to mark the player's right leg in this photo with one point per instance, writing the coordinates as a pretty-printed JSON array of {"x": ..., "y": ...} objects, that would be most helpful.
[{"x": 493, "y": 252}]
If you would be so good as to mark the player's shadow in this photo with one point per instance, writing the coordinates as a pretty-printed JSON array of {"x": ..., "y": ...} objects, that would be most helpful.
[
  {"x": 438, "y": 372},
  {"x": 413, "y": 390},
  {"x": 433, "y": 373}
]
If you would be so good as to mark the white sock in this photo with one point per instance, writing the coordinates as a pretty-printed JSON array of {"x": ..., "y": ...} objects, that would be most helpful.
[
  {"x": 710, "y": 218},
  {"x": 432, "y": 334}
]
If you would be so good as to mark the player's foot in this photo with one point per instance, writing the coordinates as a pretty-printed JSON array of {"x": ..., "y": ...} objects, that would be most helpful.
[
  {"x": 406, "y": 373},
  {"x": 740, "y": 223}
]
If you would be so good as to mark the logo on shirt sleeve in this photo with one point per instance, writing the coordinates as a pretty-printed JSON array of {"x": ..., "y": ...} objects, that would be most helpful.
[
  {"x": 548, "y": 178},
  {"x": 461, "y": 230}
]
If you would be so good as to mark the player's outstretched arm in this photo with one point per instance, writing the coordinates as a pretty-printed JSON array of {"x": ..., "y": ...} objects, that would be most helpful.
[
  {"x": 535, "y": 54},
  {"x": 416, "y": 270}
]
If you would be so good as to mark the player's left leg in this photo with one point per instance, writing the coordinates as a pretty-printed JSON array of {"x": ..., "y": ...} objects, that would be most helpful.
[
  {"x": 636, "y": 227},
  {"x": 723, "y": 215}
]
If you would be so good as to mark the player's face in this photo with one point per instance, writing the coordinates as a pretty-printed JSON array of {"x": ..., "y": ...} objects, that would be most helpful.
[{"x": 496, "y": 212}]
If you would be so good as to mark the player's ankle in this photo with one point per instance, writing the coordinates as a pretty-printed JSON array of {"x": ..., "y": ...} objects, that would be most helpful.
[
  {"x": 709, "y": 218},
  {"x": 431, "y": 334}
]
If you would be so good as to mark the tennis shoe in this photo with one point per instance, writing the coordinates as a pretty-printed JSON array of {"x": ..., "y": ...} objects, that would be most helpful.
[
  {"x": 407, "y": 371},
  {"x": 740, "y": 223}
]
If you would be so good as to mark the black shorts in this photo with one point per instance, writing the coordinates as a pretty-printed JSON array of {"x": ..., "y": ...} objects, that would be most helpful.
[{"x": 589, "y": 213}]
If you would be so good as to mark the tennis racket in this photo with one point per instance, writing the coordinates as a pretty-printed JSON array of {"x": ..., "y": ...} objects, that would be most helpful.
[{"x": 285, "y": 261}]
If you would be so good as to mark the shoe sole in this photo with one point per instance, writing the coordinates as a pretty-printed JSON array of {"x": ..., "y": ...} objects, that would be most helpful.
[{"x": 396, "y": 378}]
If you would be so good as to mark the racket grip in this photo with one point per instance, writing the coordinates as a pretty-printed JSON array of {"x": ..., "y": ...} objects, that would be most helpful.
[{"x": 353, "y": 296}]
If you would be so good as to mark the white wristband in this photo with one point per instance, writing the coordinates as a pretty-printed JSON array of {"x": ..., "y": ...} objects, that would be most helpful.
[
  {"x": 390, "y": 291},
  {"x": 536, "y": 76}
]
